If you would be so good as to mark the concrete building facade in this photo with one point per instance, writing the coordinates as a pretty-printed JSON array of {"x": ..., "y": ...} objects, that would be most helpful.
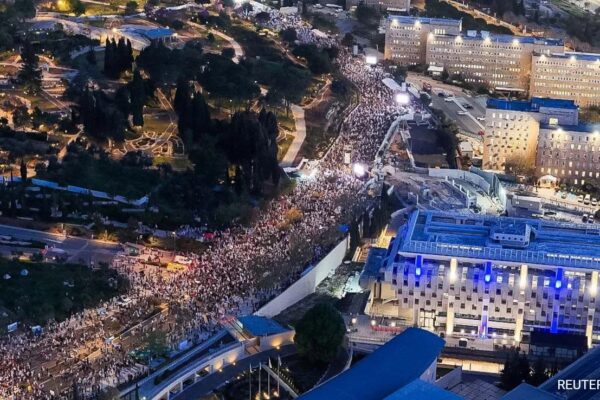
[
  {"x": 512, "y": 128},
  {"x": 500, "y": 61},
  {"x": 406, "y": 37},
  {"x": 492, "y": 278},
  {"x": 395, "y": 5},
  {"x": 569, "y": 75},
  {"x": 569, "y": 153}
]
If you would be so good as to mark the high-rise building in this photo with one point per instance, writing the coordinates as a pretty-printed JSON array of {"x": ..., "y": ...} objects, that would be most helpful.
[
  {"x": 489, "y": 277},
  {"x": 406, "y": 37},
  {"x": 568, "y": 75},
  {"x": 500, "y": 61},
  {"x": 512, "y": 128}
]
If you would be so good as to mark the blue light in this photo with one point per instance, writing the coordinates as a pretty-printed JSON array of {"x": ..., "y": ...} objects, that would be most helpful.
[
  {"x": 418, "y": 271},
  {"x": 487, "y": 278},
  {"x": 558, "y": 284}
]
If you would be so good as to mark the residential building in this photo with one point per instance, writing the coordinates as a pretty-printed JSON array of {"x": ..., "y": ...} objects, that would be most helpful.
[
  {"x": 490, "y": 278},
  {"x": 569, "y": 75},
  {"x": 406, "y": 37},
  {"x": 481, "y": 58},
  {"x": 512, "y": 128}
]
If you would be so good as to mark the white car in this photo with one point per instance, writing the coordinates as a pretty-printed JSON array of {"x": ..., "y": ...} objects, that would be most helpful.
[
  {"x": 449, "y": 99},
  {"x": 462, "y": 113},
  {"x": 480, "y": 118}
]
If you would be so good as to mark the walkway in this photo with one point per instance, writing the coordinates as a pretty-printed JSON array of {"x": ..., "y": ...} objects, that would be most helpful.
[
  {"x": 299, "y": 137},
  {"x": 239, "y": 52},
  {"x": 216, "y": 380}
]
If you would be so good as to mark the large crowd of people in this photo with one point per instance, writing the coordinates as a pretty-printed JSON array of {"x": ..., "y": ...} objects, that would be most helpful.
[{"x": 83, "y": 353}]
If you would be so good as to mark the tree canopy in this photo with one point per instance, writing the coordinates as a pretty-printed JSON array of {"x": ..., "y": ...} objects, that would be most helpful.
[{"x": 319, "y": 334}]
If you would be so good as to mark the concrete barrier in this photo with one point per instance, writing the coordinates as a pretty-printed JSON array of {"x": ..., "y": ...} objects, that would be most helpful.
[{"x": 308, "y": 283}]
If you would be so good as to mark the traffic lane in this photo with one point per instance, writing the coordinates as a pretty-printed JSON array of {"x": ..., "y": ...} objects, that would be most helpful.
[
  {"x": 450, "y": 109},
  {"x": 68, "y": 242}
]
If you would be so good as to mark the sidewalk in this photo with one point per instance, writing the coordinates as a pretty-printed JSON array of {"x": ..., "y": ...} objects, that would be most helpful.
[{"x": 300, "y": 135}]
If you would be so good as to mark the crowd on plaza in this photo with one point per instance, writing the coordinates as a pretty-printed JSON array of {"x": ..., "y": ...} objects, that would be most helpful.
[
  {"x": 82, "y": 353},
  {"x": 305, "y": 33}
]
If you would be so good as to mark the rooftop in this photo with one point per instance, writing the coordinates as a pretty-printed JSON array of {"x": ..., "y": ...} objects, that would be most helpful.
[
  {"x": 389, "y": 368},
  {"x": 585, "y": 367},
  {"x": 576, "y": 56},
  {"x": 503, "y": 38},
  {"x": 581, "y": 128},
  {"x": 403, "y": 19},
  {"x": 532, "y": 105},
  {"x": 466, "y": 235},
  {"x": 418, "y": 390},
  {"x": 260, "y": 326},
  {"x": 527, "y": 392}
]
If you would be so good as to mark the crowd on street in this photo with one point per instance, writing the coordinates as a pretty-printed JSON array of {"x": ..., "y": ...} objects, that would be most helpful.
[{"x": 91, "y": 350}]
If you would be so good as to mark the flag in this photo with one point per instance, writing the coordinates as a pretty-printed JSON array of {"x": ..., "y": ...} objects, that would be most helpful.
[
  {"x": 278, "y": 361},
  {"x": 270, "y": 366}
]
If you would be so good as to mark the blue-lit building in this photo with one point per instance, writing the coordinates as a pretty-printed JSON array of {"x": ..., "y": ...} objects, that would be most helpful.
[{"x": 488, "y": 277}]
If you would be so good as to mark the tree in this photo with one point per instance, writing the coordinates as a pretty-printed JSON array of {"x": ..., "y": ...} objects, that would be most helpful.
[
  {"x": 137, "y": 90},
  {"x": 228, "y": 52},
  {"x": 516, "y": 370},
  {"x": 23, "y": 171},
  {"x": 131, "y": 7},
  {"x": 156, "y": 344},
  {"x": 109, "y": 393},
  {"x": 289, "y": 35},
  {"x": 77, "y": 7},
  {"x": 540, "y": 372},
  {"x": 30, "y": 75},
  {"x": 348, "y": 40},
  {"x": 320, "y": 333},
  {"x": 20, "y": 116},
  {"x": 90, "y": 56}
]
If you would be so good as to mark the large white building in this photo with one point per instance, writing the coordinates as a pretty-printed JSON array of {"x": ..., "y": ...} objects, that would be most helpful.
[
  {"x": 512, "y": 128},
  {"x": 491, "y": 277}
]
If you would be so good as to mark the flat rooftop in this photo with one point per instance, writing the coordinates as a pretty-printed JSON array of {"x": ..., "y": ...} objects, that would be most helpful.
[
  {"x": 532, "y": 105},
  {"x": 403, "y": 19},
  {"x": 260, "y": 326},
  {"x": 575, "y": 56},
  {"x": 470, "y": 235},
  {"x": 579, "y": 128}
]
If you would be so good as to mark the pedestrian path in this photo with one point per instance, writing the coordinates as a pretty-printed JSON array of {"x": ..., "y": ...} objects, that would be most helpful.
[{"x": 299, "y": 137}]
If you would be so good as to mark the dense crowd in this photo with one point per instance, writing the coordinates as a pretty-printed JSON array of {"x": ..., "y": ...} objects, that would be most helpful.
[{"x": 81, "y": 352}]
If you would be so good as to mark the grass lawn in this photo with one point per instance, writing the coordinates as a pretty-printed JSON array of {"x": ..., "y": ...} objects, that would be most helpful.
[
  {"x": 156, "y": 122},
  {"x": 178, "y": 163},
  {"x": 53, "y": 290},
  {"x": 286, "y": 121},
  {"x": 283, "y": 145}
]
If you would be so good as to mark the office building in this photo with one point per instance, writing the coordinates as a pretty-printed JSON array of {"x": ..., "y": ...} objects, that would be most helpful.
[
  {"x": 502, "y": 62},
  {"x": 570, "y": 153},
  {"x": 383, "y": 5},
  {"x": 406, "y": 37},
  {"x": 512, "y": 128},
  {"x": 574, "y": 76},
  {"x": 490, "y": 278}
]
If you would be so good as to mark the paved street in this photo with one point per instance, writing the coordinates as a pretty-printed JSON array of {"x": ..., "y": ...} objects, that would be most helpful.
[{"x": 77, "y": 248}]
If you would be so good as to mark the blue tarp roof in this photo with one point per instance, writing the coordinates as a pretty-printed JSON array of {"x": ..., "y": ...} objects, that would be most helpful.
[
  {"x": 261, "y": 326},
  {"x": 389, "y": 368},
  {"x": 419, "y": 390}
]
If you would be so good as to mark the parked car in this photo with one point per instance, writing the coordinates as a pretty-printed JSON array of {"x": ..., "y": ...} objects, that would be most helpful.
[{"x": 462, "y": 113}]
